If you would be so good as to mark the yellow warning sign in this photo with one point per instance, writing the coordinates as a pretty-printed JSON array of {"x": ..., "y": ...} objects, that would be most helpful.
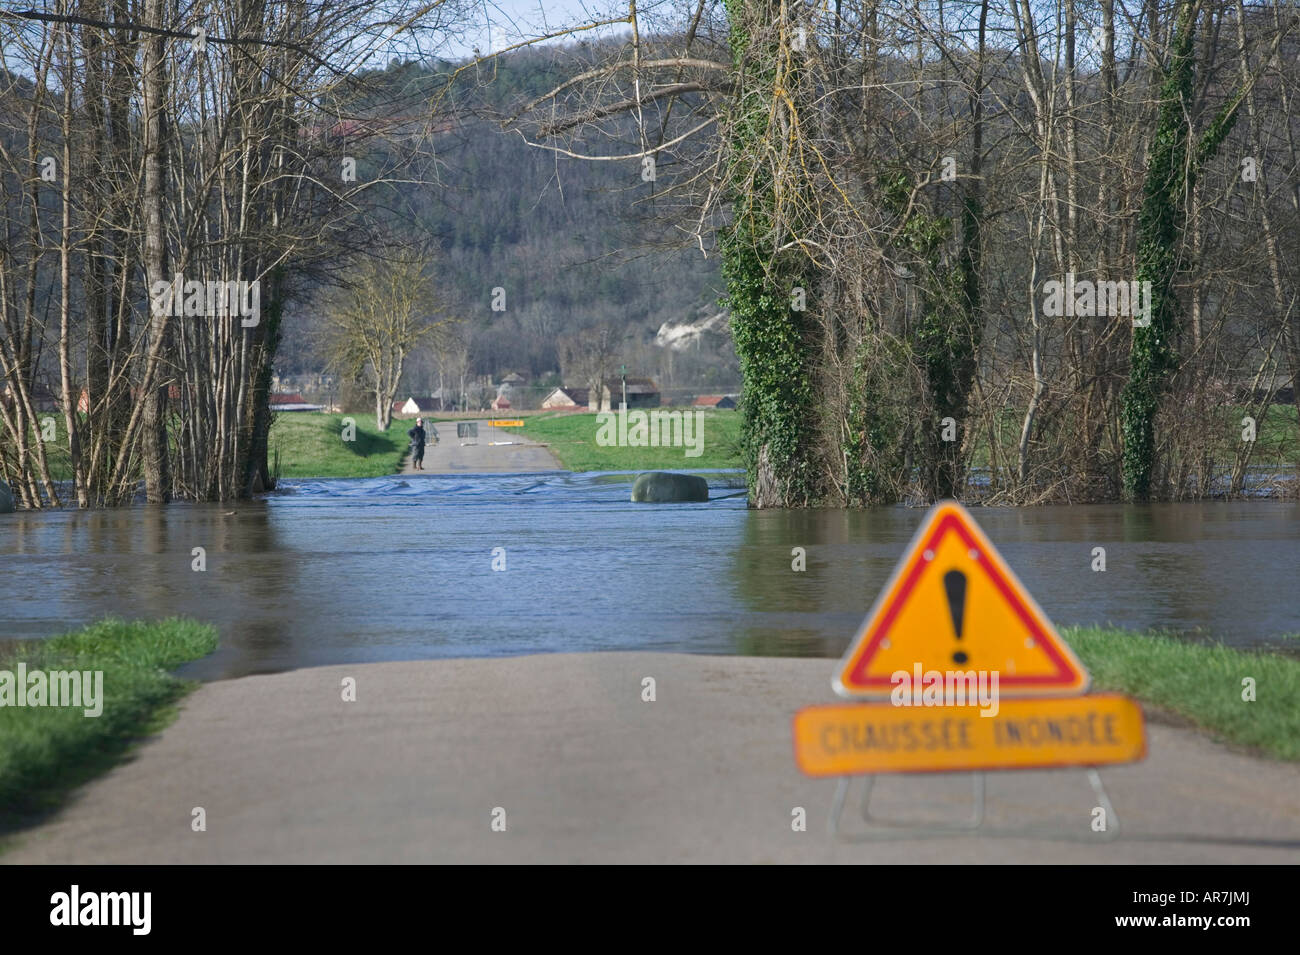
[
  {"x": 846, "y": 739},
  {"x": 507, "y": 423},
  {"x": 953, "y": 604}
]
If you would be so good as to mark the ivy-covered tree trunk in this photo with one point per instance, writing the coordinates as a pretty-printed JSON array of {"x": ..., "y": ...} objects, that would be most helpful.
[
  {"x": 1171, "y": 174},
  {"x": 950, "y": 337},
  {"x": 948, "y": 332},
  {"x": 770, "y": 293},
  {"x": 266, "y": 341},
  {"x": 949, "y": 340},
  {"x": 876, "y": 426}
]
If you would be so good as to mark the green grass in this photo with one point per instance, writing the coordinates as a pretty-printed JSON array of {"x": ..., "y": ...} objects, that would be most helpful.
[
  {"x": 45, "y": 751},
  {"x": 572, "y": 439},
  {"x": 1277, "y": 438},
  {"x": 1200, "y": 683},
  {"x": 311, "y": 445}
]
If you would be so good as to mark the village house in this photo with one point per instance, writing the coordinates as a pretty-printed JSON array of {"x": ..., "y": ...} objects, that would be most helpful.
[
  {"x": 567, "y": 399},
  {"x": 413, "y": 406},
  {"x": 43, "y": 399},
  {"x": 716, "y": 401},
  {"x": 641, "y": 393}
]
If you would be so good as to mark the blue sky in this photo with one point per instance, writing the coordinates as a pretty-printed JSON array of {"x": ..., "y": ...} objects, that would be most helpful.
[{"x": 501, "y": 23}]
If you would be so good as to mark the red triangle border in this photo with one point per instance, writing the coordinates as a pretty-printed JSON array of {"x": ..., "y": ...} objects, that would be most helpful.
[{"x": 950, "y": 521}]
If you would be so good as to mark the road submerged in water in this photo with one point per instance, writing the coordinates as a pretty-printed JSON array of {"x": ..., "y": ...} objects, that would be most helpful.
[{"x": 434, "y": 566}]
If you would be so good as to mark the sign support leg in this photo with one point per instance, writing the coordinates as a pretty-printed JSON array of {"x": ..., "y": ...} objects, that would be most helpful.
[
  {"x": 837, "y": 804},
  {"x": 974, "y": 822},
  {"x": 973, "y": 825},
  {"x": 843, "y": 784}
]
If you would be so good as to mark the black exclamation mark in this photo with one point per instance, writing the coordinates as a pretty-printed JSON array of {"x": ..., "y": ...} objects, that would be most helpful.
[{"x": 954, "y": 584}]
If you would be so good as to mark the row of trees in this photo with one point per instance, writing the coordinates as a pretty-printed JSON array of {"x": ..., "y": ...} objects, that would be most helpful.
[
  {"x": 892, "y": 189},
  {"x": 892, "y": 186},
  {"x": 146, "y": 145}
]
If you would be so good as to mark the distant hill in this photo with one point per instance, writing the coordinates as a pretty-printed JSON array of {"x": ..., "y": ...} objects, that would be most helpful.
[{"x": 573, "y": 243}]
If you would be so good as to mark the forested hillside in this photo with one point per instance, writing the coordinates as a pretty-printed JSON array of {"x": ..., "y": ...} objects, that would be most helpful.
[{"x": 573, "y": 244}]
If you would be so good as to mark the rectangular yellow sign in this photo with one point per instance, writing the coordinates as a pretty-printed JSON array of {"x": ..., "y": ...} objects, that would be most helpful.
[
  {"x": 512, "y": 423},
  {"x": 848, "y": 739}
]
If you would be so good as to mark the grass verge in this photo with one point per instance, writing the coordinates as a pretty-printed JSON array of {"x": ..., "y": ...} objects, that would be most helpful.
[
  {"x": 1200, "y": 683},
  {"x": 572, "y": 439},
  {"x": 311, "y": 445},
  {"x": 46, "y": 751}
]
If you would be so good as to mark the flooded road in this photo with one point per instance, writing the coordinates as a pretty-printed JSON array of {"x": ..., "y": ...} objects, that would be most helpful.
[{"x": 399, "y": 568}]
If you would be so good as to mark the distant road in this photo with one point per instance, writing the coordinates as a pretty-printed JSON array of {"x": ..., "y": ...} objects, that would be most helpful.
[
  {"x": 585, "y": 771},
  {"x": 449, "y": 457}
]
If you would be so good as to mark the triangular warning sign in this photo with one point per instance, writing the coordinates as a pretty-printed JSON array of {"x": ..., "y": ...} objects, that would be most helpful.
[{"x": 954, "y": 605}]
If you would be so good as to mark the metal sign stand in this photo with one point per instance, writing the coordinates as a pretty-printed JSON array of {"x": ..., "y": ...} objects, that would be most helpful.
[
  {"x": 467, "y": 429},
  {"x": 885, "y": 829}
]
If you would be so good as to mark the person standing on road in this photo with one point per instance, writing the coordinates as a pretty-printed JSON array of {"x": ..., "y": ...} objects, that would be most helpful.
[{"x": 418, "y": 436}]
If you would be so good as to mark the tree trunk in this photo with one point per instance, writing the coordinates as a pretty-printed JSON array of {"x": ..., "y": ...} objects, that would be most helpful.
[
  {"x": 157, "y": 475},
  {"x": 70, "y": 421},
  {"x": 1171, "y": 174}
]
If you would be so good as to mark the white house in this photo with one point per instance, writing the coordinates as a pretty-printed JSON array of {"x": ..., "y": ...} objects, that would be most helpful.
[
  {"x": 567, "y": 397},
  {"x": 417, "y": 406}
]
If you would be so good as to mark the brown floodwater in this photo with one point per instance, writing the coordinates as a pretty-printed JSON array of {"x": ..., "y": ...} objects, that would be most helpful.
[{"x": 345, "y": 571}]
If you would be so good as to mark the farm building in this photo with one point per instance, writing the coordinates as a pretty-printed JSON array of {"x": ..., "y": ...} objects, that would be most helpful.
[
  {"x": 715, "y": 401},
  {"x": 641, "y": 393}
]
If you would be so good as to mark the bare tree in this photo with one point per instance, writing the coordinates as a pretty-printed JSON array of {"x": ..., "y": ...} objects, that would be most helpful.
[
  {"x": 588, "y": 357},
  {"x": 387, "y": 310},
  {"x": 451, "y": 350},
  {"x": 141, "y": 141}
]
